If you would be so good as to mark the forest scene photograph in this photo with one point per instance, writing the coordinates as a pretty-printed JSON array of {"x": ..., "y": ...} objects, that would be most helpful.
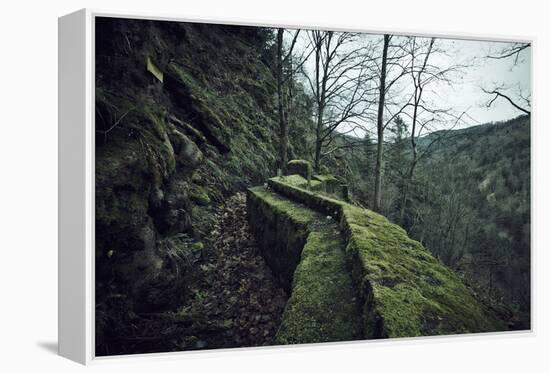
[{"x": 260, "y": 186}]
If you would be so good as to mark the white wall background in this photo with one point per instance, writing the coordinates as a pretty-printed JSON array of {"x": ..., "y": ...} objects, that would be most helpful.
[{"x": 28, "y": 185}]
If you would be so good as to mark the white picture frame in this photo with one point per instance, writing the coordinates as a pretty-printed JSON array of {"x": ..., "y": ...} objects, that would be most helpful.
[{"x": 77, "y": 172}]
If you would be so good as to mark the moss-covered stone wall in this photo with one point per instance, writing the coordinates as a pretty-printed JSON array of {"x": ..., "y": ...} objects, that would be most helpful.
[
  {"x": 404, "y": 290},
  {"x": 323, "y": 306},
  {"x": 306, "y": 252},
  {"x": 281, "y": 228}
]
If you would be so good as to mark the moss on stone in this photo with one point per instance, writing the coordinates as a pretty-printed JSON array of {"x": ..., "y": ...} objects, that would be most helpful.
[
  {"x": 323, "y": 306},
  {"x": 299, "y": 167},
  {"x": 296, "y": 180},
  {"x": 281, "y": 228},
  {"x": 405, "y": 290},
  {"x": 414, "y": 293},
  {"x": 301, "y": 182},
  {"x": 298, "y": 213},
  {"x": 300, "y": 244},
  {"x": 325, "y": 177},
  {"x": 322, "y": 203},
  {"x": 330, "y": 182}
]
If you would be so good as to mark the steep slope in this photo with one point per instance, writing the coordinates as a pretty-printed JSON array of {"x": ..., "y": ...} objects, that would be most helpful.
[
  {"x": 185, "y": 117},
  {"x": 473, "y": 195}
]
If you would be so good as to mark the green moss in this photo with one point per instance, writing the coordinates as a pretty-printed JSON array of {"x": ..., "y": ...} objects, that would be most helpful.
[
  {"x": 298, "y": 213},
  {"x": 299, "y": 241},
  {"x": 295, "y": 180},
  {"x": 322, "y": 307},
  {"x": 330, "y": 183},
  {"x": 202, "y": 101},
  {"x": 318, "y": 202},
  {"x": 199, "y": 195},
  {"x": 281, "y": 228},
  {"x": 158, "y": 123},
  {"x": 325, "y": 177},
  {"x": 300, "y": 167},
  {"x": 413, "y": 292},
  {"x": 301, "y": 182},
  {"x": 406, "y": 291},
  {"x": 197, "y": 246}
]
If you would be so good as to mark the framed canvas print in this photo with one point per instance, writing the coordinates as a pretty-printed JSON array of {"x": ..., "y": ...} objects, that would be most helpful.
[{"x": 227, "y": 185}]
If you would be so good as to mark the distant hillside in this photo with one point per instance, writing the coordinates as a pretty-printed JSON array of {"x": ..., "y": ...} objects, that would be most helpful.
[{"x": 471, "y": 207}]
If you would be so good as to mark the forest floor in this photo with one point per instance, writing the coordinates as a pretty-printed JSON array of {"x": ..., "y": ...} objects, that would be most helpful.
[
  {"x": 234, "y": 299},
  {"x": 231, "y": 297}
]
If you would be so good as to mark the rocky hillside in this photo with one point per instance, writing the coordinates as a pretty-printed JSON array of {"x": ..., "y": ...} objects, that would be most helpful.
[{"x": 184, "y": 117}]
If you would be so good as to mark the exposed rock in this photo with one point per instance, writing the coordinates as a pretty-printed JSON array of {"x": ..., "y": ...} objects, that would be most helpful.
[
  {"x": 188, "y": 153},
  {"x": 156, "y": 198},
  {"x": 173, "y": 213}
]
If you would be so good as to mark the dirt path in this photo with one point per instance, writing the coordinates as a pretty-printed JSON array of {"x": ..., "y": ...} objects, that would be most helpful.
[{"x": 234, "y": 299}]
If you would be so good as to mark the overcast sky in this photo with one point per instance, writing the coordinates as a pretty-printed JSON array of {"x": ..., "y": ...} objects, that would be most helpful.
[
  {"x": 465, "y": 93},
  {"x": 486, "y": 73}
]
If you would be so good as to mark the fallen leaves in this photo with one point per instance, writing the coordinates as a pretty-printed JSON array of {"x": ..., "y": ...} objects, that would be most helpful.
[{"x": 235, "y": 299}]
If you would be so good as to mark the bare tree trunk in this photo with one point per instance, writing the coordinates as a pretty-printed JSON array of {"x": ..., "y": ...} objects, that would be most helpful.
[
  {"x": 380, "y": 129},
  {"x": 406, "y": 185},
  {"x": 318, "y": 141},
  {"x": 321, "y": 83},
  {"x": 418, "y": 90},
  {"x": 283, "y": 127},
  {"x": 410, "y": 174}
]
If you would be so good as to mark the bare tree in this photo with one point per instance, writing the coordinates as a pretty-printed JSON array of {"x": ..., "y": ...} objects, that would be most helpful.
[
  {"x": 338, "y": 85},
  {"x": 499, "y": 92},
  {"x": 514, "y": 52},
  {"x": 379, "y": 126},
  {"x": 283, "y": 59},
  {"x": 421, "y": 113},
  {"x": 392, "y": 68}
]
